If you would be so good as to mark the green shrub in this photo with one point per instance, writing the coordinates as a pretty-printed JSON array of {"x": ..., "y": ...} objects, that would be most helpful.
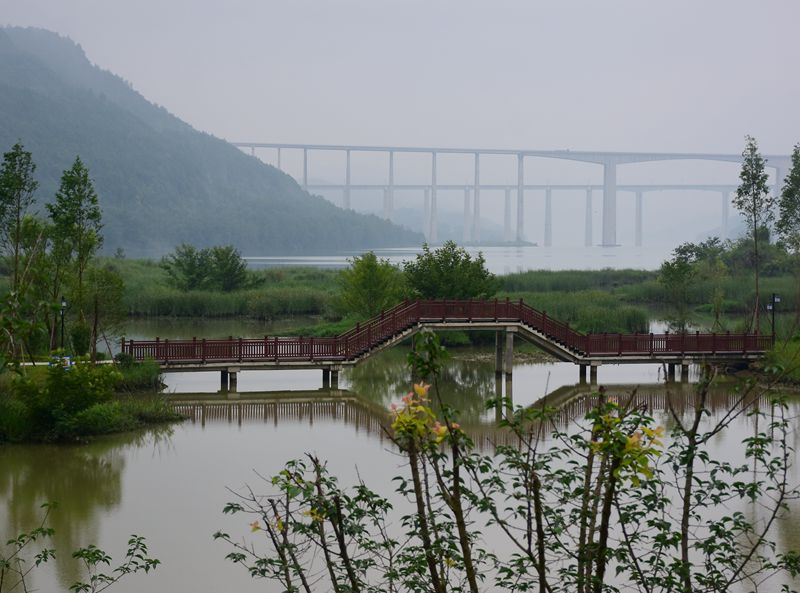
[
  {"x": 139, "y": 376},
  {"x": 81, "y": 336},
  {"x": 102, "y": 418}
]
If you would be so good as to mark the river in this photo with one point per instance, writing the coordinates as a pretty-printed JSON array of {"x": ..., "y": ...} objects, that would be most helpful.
[{"x": 170, "y": 484}]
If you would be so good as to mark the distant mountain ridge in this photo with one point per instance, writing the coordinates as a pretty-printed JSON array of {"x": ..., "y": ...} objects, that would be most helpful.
[{"x": 160, "y": 182}]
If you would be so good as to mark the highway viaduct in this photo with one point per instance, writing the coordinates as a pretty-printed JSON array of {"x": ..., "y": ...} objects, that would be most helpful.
[{"x": 608, "y": 160}]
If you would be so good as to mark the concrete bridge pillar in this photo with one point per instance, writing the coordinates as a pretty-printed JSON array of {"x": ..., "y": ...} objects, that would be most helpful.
[
  {"x": 223, "y": 381},
  {"x": 426, "y": 223},
  {"x": 548, "y": 217},
  {"x": 279, "y": 160},
  {"x": 305, "y": 168},
  {"x": 335, "y": 378},
  {"x": 346, "y": 205},
  {"x": 520, "y": 197},
  {"x": 498, "y": 353},
  {"x": 609, "y": 204},
  {"x": 466, "y": 236},
  {"x": 326, "y": 378},
  {"x": 587, "y": 233},
  {"x": 232, "y": 381},
  {"x": 684, "y": 372},
  {"x": 391, "y": 181},
  {"x": 593, "y": 373},
  {"x": 671, "y": 372},
  {"x": 476, "y": 204},
  {"x": 507, "y": 217},
  {"x": 638, "y": 235},
  {"x": 509, "y": 354},
  {"x": 582, "y": 374},
  {"x": 434, "y": 235},
  {"x": 726, "y": 200}
]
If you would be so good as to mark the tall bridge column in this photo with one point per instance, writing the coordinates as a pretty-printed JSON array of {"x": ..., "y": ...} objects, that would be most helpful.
[
  {"x": 507, "y": 217},
  {"x": 548, "y": 217},
  {"x": 347, "y": 183},
  {"x": 434, "y": 235},
  {"x": 279, "y": 160},
  {"x": 509, "y": 354},
  {"x": 426, "y": 222},
  {"x": 587, "y": 233},
  {"x": 726, "y": 200},
  {"x": 609, "y": 204},
  {"x": 476, "y": 205},
  {"x": 638, "y": 235},
  {"x": 520, "y": 197},
  {"x": 391, "y": 181},
  {"x": 467, "y": 221},
  {"x": 305, "y": 168}
]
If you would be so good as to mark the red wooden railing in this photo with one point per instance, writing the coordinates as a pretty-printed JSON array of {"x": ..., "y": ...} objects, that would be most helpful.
[{"x": 364, "y": 337}]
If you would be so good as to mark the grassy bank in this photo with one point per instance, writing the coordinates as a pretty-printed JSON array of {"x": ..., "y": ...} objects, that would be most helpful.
[{"x": 44, "y": 404}]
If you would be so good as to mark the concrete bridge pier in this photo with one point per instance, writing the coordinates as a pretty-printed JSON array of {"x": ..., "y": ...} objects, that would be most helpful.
[
  {"x": 466, "y": 235},
  {"x": 671, "y": 372},
  {"x": 548, "y": 217},
  {"x": 638, "y": 234},
  {"x": 684, "y": 372},
  {"x": 232, "y": 374},
  {"x": 609, "y": 204},
  {"x": 326, "y": 378},
  {"x": 509, "y": 354},
  {"x": 334, "y": 378},
  {"x": 498, "y": 353},
  {"x": 346, "y": 204},
  {"x": 726, "y": 200},
  {"x": 507, "y": 217},
  {"x": 223, "y": 381},
  {"x": 476, "y": 204},
  {"x": 520, "y": 197},
  {"x": 587, "y": 237},
  {"x": 593, "y": 373},
  {"x": 582, "y": 374}
]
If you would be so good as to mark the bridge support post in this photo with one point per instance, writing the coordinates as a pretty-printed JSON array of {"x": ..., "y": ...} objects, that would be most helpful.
[
  {"x": 232, "y": 382},
  {"x": 334, "y": 378},
  {"x": 507, "y": 217},
  {"x": 223, "y": 381},
  {"x": 638, "y": 235},
  {"x": 498, "y": 353},
  {"x": 347, "y": 183},
  {"x": 671, "y": 372},
  {"x": 426, "y": 222},
  {"x": 326, "y": 378},
  {"x": 466, "y": 235},
  {"x": 476, "y": 204},
  {"x": 582, "y": 374},
  {"x": 587, "y": 232},
  {"x": 684, "y": 372},
  {"x": 509, "y": 358},
  {"x": 520, "y": 197},
  {"x": 609, "y": 204},
  {"x": 548, "y": 217},
  {"x": 434, "y": 233},
  {"x": 593, "y": 373}
]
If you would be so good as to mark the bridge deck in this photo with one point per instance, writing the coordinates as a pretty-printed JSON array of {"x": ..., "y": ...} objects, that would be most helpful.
[{"x": 394, "y": 325}]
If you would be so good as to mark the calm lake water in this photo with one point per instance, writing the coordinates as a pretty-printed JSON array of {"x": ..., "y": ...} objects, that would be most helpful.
[{"x": 170, "y": 484}]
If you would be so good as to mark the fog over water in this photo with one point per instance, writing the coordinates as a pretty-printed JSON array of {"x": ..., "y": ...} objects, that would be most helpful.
[{"x": 619, "y": 76}]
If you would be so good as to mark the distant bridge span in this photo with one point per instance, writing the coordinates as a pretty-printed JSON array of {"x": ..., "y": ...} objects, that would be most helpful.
[
  {"x": 506, "y": 318},
  {"x": 609, "y": 161}
]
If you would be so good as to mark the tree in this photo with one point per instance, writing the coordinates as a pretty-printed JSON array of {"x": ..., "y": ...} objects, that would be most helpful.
[
  {"x": 754, "y": 200},
  {"x": 187, "y": 267},
  {"x": 105, "y": 293},
  {"x": 605, "y": 504},
  {"x": 228, "y": 271},
  {"x": 17, "y": 187},
  {"x": 369, "y": 285},
  {"x": 788, "y": 225},
  {"x": 676, "y": 276},
  {"x": 76, "y": 219},
  {"x": 449, "y": 272}
]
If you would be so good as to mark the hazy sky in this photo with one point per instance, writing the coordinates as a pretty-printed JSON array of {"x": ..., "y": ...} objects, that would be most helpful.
[{"x": 678, "y": 75}]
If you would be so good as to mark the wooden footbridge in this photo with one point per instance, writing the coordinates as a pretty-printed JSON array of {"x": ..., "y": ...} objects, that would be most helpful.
[{"x": 506, "y": 318}]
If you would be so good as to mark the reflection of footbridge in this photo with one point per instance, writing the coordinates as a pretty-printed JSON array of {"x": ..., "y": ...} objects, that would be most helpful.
[
  {"x": 572, "y": 402},
  {"x": 506, "y": 318},
  {"x": 610, "y": 161}
]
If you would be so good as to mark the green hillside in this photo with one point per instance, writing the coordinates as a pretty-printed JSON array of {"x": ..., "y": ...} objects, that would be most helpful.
[{"x": 160, "y": 182}]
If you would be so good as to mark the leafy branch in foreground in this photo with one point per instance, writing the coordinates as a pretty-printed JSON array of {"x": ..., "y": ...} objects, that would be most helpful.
[
  {"x": 609, "y": 501},
  {"x": 16, "y": 569}
]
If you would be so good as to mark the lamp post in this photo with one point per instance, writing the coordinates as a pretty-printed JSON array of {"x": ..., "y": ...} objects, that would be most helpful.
[
  {"x": 63, "y": 309},
  {"x": 771, "y": 307}
]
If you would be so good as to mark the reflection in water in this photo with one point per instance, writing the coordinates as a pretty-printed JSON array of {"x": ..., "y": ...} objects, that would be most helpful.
[{"x": 82, "y": 480}]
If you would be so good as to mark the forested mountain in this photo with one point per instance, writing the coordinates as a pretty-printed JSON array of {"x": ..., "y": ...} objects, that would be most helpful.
[{"x": 160, "y": 182}]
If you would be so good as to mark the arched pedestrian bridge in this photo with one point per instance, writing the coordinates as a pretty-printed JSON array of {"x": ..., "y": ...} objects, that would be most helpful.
[{"x": 506, "y": 318}]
